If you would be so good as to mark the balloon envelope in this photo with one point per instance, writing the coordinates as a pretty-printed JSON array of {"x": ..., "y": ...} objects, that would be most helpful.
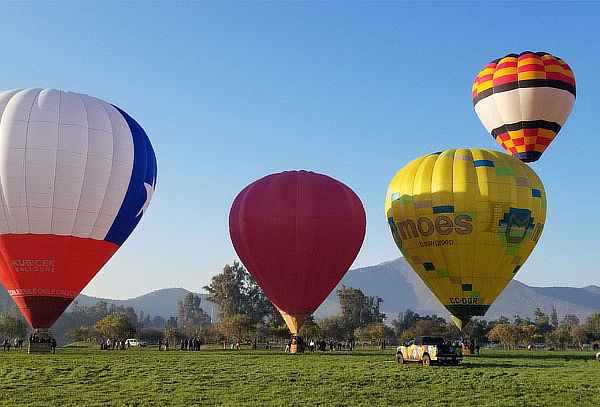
[
  {"x": 466, "y": 220},
  {"x": 297, "y": 233},
  {"x": 76, "y": 176},
  {"x": 524, "y": 100}
]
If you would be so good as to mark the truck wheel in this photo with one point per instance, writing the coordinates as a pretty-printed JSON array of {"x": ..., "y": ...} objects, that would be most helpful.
[
  {"x": 400, "y": 358},
  {"x": 426, "y": 360}
]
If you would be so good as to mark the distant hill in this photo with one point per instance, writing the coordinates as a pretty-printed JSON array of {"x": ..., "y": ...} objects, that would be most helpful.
[
  {"x": 400, "y": 288},
  {"x": 160, "y": 302}
]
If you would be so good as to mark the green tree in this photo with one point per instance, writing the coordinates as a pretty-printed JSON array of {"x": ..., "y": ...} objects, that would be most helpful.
[
  {"x": 159, "y": 322},
  {"x": 570, "y": 320},
  {"x": 506, "y": 334},
  {"x": 476, "y": 329},
  {"x": 592, "y": 326},
  {"x": 171, "y": 322},
  {"x": 542, "y": 321},
  {"x": 93, "y": 314},
  {"x": 502, "y": 320},
  {"x": 334, "y": 328},
  {"x": 190, "y": 314},
  {"x": 310, "y": 329},
  {"x": 115, "y": 326},
  {"x": 554, "y": 318},
  {"x": 427, "y": 327},
  {"x": 235, "y": 292},
  {"x": 560, "y": 336},
  {"x": 80, "y": 334},
  {"x": 406, "y": 320},
  {"x": 208, "y": 334},
  {"x": 376, "y": 332},
  {"x": 173, "y": 335},
  {"x": 358, "y": 309},
  {"x": 236, "y": 328},
  {"x": 12, "y": 327},
  {"x": 578, "y": 335},
  {"x": 152, "y": 335},
  {"x": 518, "y": 321},
  {"x": 530, "y": 334}
]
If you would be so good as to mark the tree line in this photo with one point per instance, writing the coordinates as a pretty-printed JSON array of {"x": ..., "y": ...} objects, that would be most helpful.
[{"x": 245, "y": 315}]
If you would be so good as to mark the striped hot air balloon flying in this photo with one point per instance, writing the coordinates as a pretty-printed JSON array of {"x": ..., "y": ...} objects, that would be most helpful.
[
  {"x": 76, "y": 176},
  {"x": 523, "y": 100}
]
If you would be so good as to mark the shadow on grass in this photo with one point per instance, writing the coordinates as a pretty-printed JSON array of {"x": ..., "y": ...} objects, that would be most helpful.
[
  {"x": 540, "y": 356},
  {"x": 349, "y": 353},
  {"x": 503, "y": 365}
]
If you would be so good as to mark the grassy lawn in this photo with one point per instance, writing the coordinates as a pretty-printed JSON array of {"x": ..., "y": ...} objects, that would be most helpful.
[{"x": 88, "y": 377}]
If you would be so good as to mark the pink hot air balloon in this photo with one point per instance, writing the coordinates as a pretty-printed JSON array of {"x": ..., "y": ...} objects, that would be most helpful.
[{"x": 297, "y": 232}]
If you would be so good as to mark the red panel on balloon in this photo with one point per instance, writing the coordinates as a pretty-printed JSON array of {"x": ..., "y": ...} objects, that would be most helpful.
[
  {"x": 298, "y": 233},
  {"x": 44, "y": 273}
]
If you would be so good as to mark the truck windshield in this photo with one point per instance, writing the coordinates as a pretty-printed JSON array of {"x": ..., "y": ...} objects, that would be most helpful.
[{"x": 433, "y": 341}]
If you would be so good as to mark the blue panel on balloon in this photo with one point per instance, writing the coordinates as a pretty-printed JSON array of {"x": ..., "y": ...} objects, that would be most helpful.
[
  {"x": 429, "y": 266},
  {"x": 483, "y": 163}
]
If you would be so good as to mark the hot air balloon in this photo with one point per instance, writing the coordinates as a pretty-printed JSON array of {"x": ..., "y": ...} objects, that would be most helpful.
[
  {"x": 76, "y": 176},
  {"x": 297, "y": 233},
  {"x": 524, "y": 100},
  {"x": 466, "y": 220}
]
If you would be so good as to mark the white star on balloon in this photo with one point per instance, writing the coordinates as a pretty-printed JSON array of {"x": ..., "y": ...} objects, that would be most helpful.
[{"x": 149, "y": 193}]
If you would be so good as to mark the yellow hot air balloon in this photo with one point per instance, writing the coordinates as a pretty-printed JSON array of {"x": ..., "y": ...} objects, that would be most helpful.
[{"x": 466, "y": 220}]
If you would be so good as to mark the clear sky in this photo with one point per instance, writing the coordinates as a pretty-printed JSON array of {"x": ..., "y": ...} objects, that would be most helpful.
[{"x": 231, "y": 91}]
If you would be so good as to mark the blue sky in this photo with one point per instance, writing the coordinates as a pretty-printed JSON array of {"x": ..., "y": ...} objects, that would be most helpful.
[{"x": 231, "y": 91}]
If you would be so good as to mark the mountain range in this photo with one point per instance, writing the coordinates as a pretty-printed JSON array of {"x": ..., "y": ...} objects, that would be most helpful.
[{"x": 398, "y": 286}]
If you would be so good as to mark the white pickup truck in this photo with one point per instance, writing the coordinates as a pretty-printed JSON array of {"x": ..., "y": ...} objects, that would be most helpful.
[{"x": 133, "y": 343}]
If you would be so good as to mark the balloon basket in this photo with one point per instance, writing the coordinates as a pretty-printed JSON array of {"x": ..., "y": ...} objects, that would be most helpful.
[
  {"x": 40, "y": 342},
  {"x": 39, "y": 348}
]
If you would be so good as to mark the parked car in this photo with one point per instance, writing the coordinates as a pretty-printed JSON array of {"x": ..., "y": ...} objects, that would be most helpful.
[
  {"x": 428, "y": 350},
  {"x": 135, "y": 343}
]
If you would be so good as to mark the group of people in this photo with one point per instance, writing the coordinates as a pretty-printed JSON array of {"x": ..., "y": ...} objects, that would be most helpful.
[
  {"x": 192, "y": 344},
  {"x": 469, "y": 346},
  {"x": 322, "y": 345},
  {"x": 113, "y": 344},
  {"x": 163, "y": 344},
  {"x": 16, "y": 343},
  {"x": 232, "y": 345}
]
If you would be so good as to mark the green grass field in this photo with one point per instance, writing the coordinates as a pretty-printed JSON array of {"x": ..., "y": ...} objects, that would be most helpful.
[{"x": 88, "y": 377}]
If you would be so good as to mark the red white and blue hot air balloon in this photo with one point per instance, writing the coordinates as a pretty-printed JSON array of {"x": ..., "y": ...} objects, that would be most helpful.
[{"x": 76, "y": 176}]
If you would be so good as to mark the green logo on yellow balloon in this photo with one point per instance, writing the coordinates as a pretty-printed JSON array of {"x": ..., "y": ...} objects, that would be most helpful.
[{"x": 515, "y": 224}]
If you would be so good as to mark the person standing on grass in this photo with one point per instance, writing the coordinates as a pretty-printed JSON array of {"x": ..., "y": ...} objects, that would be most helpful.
[{"x": 53, "y": 345}]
